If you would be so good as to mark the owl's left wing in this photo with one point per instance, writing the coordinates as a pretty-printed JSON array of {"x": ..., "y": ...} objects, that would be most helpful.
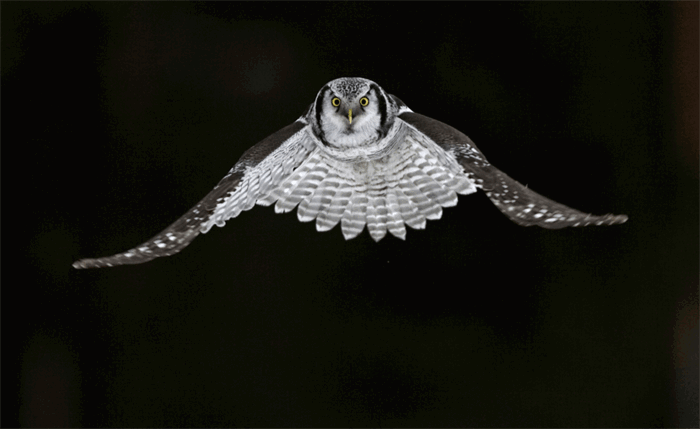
[
  {"x": 522, "y": 205},
  {"x": 257, "y": 172}
]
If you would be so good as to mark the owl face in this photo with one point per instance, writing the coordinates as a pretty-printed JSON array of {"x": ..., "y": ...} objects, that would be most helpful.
[{"x": 351, "y": 113}]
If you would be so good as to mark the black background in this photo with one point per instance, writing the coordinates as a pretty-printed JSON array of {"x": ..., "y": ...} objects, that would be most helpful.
[{"x": 118, "y": 117}]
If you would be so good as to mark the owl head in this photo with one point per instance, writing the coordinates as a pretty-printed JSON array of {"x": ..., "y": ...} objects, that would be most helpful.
[{"x": 351, "y": 112}]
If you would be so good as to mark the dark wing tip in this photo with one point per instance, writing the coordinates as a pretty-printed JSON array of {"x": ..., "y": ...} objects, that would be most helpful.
[
  {"x": 611, "y": 219},
  {"x": 526, "y": 207},
  {"x": 530, "y": 208},
  {"x": 620, "y": 219},
  {"x": 109, "y": 261},
  {"x": 84, "y": 263},
  {"x": 168, "y": 242},
  {"x": 575, "y": 219}
]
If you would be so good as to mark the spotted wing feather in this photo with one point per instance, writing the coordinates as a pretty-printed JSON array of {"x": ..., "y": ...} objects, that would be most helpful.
[
  {"x": 254, "y": 174},
  {"x": 522, "y": 205}
]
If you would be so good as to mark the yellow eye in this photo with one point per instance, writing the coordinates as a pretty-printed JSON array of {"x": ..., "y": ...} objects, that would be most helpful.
[
  {"x": 335, "y": 101},
  {"x": 364, "y": 101}
]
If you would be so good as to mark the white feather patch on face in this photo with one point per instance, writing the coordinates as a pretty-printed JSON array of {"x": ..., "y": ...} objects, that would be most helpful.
[{"x": 363, "y": 131}]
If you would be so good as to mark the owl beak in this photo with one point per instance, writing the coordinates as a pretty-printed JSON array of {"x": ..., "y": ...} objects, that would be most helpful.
[{"x": 350, "y": 115}]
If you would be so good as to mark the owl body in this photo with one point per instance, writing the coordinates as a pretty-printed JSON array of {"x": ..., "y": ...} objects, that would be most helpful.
[
  {"x": 357, "y": 157},
  {"x": 407, "y": 181}
]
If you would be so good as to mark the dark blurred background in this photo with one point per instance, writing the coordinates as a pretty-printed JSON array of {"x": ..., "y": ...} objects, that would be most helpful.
[{"x": 118, "y": 117}]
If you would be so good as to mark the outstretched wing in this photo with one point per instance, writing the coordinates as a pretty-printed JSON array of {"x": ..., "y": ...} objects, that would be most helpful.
[
  {"x": 260, "y": 168},
  {"x": 522, "y": 205}
]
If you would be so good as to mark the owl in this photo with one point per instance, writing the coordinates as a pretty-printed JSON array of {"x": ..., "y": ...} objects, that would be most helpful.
[{"x": 359, "y": 157}]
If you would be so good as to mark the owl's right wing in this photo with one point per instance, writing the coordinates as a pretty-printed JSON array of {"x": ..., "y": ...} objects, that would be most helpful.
[
  {"x": 521, "y": 204},
  {"x": 257, "y": 172}
]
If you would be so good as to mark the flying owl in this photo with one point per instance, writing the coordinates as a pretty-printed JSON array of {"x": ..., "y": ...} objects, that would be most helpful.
[{"x": 359, "y": 157}]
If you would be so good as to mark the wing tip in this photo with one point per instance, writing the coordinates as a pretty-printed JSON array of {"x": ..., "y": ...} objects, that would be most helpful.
[
  {"x": 618, "y": 219},
  {"x": 608, "y": 219},
  {"x": 90, "y": 263},
  {"x": 592, "y": 220},
  {"x": 125, "y": 258}
]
